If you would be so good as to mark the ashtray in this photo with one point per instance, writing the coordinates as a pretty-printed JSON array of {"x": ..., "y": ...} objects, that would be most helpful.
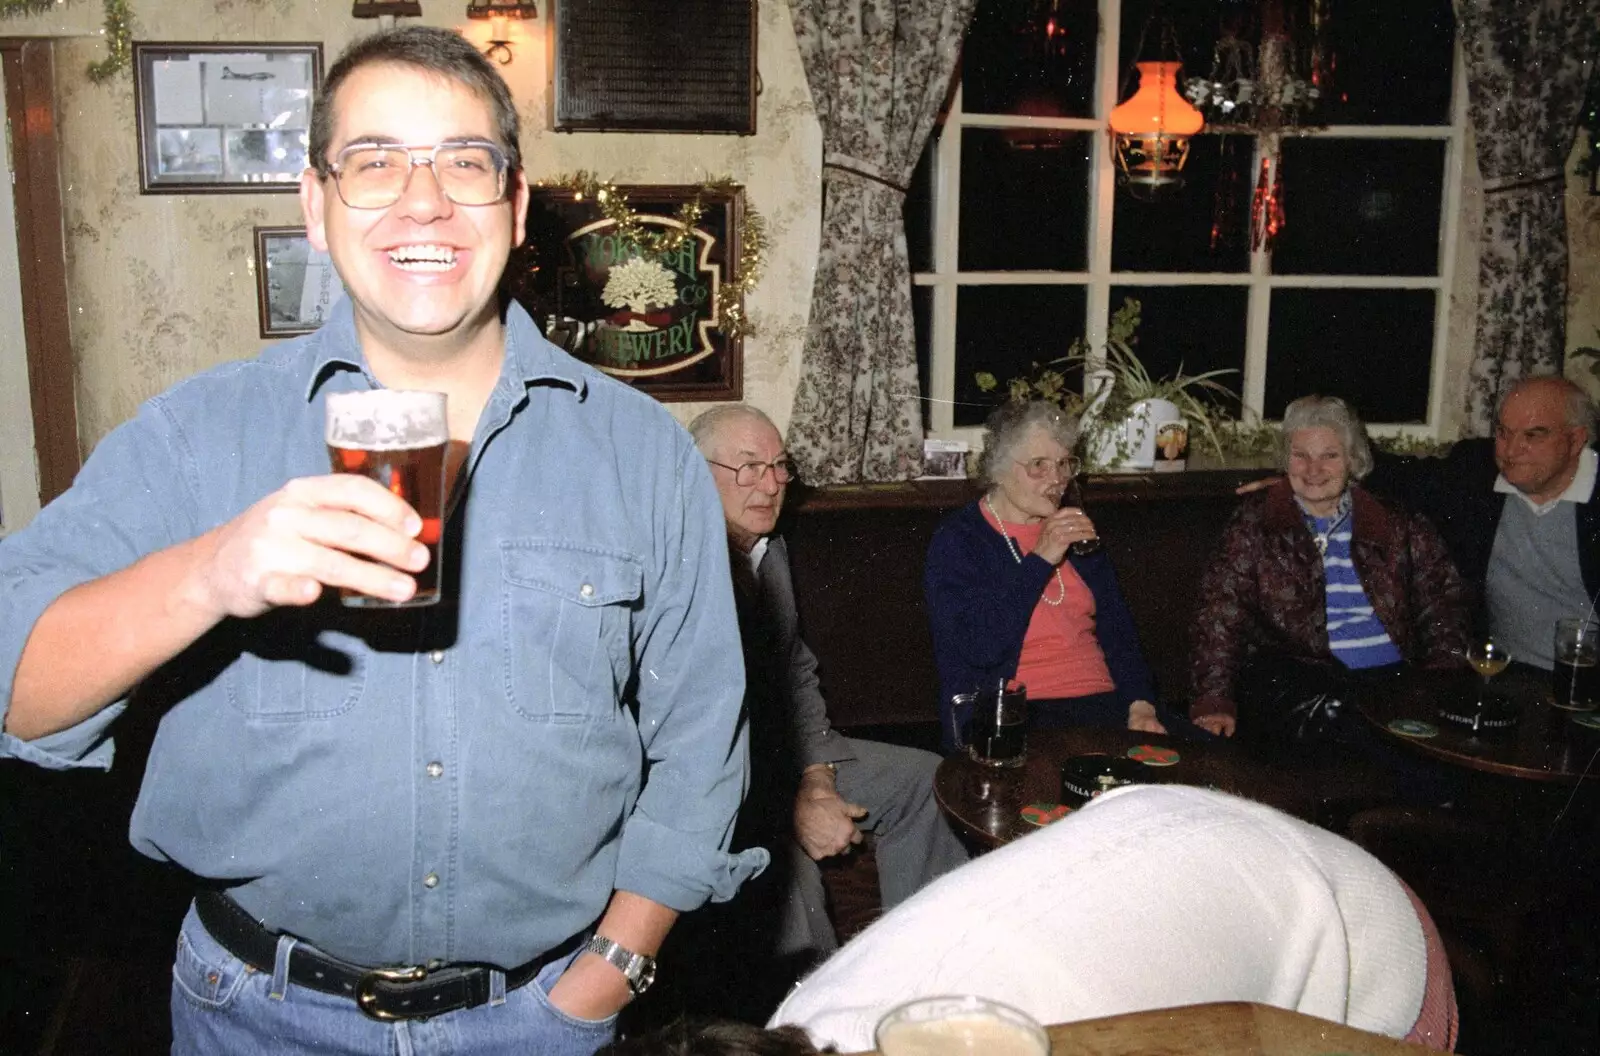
[
  {"x": 1085, "y": 776},
  {"x": 1488, "y": 714}
]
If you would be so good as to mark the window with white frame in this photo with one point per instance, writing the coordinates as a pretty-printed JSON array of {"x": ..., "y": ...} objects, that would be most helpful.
[{"x": 1020, "y": 239}]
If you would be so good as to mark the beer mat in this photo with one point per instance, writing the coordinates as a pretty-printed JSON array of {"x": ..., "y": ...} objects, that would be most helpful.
[
  {"x": 1413, "y": 728},
  {"x": 1587, "y": 719},
  {"x": 1042, "y": 814},
  {"x": 1153, "y": 755}
]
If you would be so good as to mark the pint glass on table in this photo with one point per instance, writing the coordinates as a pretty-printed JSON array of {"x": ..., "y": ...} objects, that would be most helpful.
[
  {"x": 960, "y": 1026},
  {"x": 1577, "y": 663},
  {"x": 398, "y": 439}
]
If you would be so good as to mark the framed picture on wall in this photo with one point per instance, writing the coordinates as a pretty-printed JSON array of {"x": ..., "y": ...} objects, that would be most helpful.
[
  {"x": 296, "y": 286},
  {"x": 650, "y": 319},
  {"x": 223, "y": 117}
]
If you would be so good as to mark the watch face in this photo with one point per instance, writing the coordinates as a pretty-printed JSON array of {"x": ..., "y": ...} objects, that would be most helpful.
[{"x": 647, "y": 975}]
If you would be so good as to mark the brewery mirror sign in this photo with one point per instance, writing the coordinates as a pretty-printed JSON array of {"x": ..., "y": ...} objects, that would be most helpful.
[{"x": 650, "y": 318}]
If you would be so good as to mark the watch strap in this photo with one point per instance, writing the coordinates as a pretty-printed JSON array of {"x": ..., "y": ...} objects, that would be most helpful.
[{"x": 637, "y": 968}]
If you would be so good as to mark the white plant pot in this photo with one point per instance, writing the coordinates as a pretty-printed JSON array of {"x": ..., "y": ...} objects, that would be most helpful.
[{"x": 1135, "y": 438}]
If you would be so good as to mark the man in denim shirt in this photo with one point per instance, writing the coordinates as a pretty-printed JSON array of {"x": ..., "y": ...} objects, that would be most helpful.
[{"x": 412, "y": 813}]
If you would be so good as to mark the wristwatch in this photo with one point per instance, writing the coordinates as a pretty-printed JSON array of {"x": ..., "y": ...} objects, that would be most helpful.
[{"x": 638, "y": 969}]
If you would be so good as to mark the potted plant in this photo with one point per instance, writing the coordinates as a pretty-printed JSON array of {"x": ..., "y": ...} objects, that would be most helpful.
[{"x": 1124, "y": 408}]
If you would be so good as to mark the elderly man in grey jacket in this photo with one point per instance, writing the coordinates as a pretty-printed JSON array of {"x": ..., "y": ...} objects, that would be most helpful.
[{"x": 813, "y": 791}]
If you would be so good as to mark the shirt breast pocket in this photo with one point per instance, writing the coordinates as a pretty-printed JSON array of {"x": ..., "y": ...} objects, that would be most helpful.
[
  {"x": 296, "y": 664},
  {"x": 566, "y": 621}
]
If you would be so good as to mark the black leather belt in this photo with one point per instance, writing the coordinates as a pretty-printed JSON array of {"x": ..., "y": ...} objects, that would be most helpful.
[{"x": 382, "y": 993}]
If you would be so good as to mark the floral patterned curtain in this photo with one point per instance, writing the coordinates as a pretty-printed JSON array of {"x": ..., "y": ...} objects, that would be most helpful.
[
  {"x": 1526, "y": 71},
  {"x": 878, "y": 70}
]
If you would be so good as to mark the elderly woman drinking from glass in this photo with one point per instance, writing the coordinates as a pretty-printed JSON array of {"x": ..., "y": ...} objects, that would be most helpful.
[
  {"x": 1317, "y": 582},
  {"x": 1007, "y": 599}
]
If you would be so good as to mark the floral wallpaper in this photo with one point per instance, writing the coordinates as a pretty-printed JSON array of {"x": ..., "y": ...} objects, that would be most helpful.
[{"x": 163, "y": 286}]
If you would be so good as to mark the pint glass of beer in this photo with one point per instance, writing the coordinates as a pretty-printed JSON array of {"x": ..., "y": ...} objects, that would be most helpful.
[
  {"x": 398, "y": 439},
  {"x": 960, "y": 1026},
  {"x": 1577, "y": 658}
]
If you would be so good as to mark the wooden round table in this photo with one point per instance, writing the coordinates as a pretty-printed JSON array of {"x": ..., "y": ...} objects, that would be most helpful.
[
  {"x": 984, "y": 803},
  {"x": 1544, "y": 745}
]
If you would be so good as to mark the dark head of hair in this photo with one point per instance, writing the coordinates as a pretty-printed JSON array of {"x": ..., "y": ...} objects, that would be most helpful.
[
  {"x": 442, "y": 52},
  {"x": 716, "y": 1037}
]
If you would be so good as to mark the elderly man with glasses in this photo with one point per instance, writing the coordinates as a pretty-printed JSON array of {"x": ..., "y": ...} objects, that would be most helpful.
[{"x": 813, "y": 791}]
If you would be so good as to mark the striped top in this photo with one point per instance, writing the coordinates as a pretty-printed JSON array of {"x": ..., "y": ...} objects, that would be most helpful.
[{"x": 1355, "y": 634}]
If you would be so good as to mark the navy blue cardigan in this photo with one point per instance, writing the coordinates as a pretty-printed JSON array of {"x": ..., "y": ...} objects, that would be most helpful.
[{"x": 980, "y": 600}]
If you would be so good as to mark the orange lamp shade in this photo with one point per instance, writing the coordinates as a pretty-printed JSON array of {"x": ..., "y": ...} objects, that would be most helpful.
[{"x": 1157, "y": 108}]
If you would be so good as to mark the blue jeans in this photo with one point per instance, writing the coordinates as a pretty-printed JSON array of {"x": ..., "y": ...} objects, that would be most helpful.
[{"x": 223, "y": 1007}]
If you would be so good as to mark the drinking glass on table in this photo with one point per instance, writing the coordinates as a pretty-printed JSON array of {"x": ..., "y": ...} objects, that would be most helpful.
[
  {"x": 1487, "y": 657},
  {"x": 397, "y": 438},
  {"x": 959, "y": 1026},
  {"x": 1577, "y": 652},
  {"x": 995, "y": 721}
]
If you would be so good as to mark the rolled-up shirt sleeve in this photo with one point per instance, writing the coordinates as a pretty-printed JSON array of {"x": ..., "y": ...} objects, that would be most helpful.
[
  {"x": 131, "y": 498},
  {"x": 691, "y": 692}
]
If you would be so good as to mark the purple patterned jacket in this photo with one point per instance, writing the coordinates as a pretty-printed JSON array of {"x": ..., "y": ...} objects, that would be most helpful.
[{"x": 1264, "y": 590}]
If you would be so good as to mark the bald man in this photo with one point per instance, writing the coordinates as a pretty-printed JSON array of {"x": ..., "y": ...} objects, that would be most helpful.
[{"x": 1518, "y": 512}]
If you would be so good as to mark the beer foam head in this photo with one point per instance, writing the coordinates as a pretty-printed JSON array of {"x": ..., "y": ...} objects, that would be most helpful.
[
  {"x": 386, "y": 419},
  {"x": 959, "y": 1025}
]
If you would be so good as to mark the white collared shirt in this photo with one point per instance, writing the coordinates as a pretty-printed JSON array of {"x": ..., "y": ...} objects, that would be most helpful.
[
  {"x": 1579, "y": 491},
  {"x": 758, "y": 551}
]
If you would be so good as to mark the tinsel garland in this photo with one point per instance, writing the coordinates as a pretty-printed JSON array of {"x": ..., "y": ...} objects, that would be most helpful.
[
  {"x": 732, "y": 319},
  {"x": 119, "y": 42},
  {"x": 119, "y": 32}
]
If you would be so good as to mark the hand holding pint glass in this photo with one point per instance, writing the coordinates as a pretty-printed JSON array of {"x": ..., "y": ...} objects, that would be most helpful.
[{"x": 398, "y": 439}]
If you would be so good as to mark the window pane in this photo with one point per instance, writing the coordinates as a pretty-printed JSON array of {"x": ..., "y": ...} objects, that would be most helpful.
[
  {"x": 1360, "y": 207},
  {"x": 918, "y": 209},
  {"x": 1373, "y": 348},
  {"x": 1032, "y": 57},
  {"x": 1005, "y": 330},
  {"x": 1197, "y": 328},
  {"x": 1024, "y": 200},
  {"x": 1386, "y": 63},
  {"x": 922, "y": 320},
  {"x": 1204, "y": 226}
]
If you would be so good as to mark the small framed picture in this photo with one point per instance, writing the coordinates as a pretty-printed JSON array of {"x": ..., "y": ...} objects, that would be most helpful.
[
  {"x": 296, "y": 285},
  {"x": 944, "y": 459},
  {"x": 218, "y": 118}
]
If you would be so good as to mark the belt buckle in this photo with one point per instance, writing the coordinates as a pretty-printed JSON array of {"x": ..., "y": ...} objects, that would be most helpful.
[{"x": 366, "y": 990}]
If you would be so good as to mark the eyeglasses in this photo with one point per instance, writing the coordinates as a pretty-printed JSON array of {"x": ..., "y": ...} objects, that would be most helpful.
[
  {"x": 783, "y": 471},
  {"x": 1040, "y": 468},
  {"x": 375, "y": 175}
]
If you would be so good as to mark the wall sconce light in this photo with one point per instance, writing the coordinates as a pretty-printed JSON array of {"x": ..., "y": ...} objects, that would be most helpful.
[{"x": 500, "y": 13}]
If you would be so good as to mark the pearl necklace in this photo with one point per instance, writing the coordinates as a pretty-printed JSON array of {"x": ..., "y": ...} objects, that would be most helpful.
[{"x": 1011, "y": 544}]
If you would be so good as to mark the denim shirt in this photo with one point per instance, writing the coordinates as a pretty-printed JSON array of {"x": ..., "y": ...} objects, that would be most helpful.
[{"x": 467, "y": 782}]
